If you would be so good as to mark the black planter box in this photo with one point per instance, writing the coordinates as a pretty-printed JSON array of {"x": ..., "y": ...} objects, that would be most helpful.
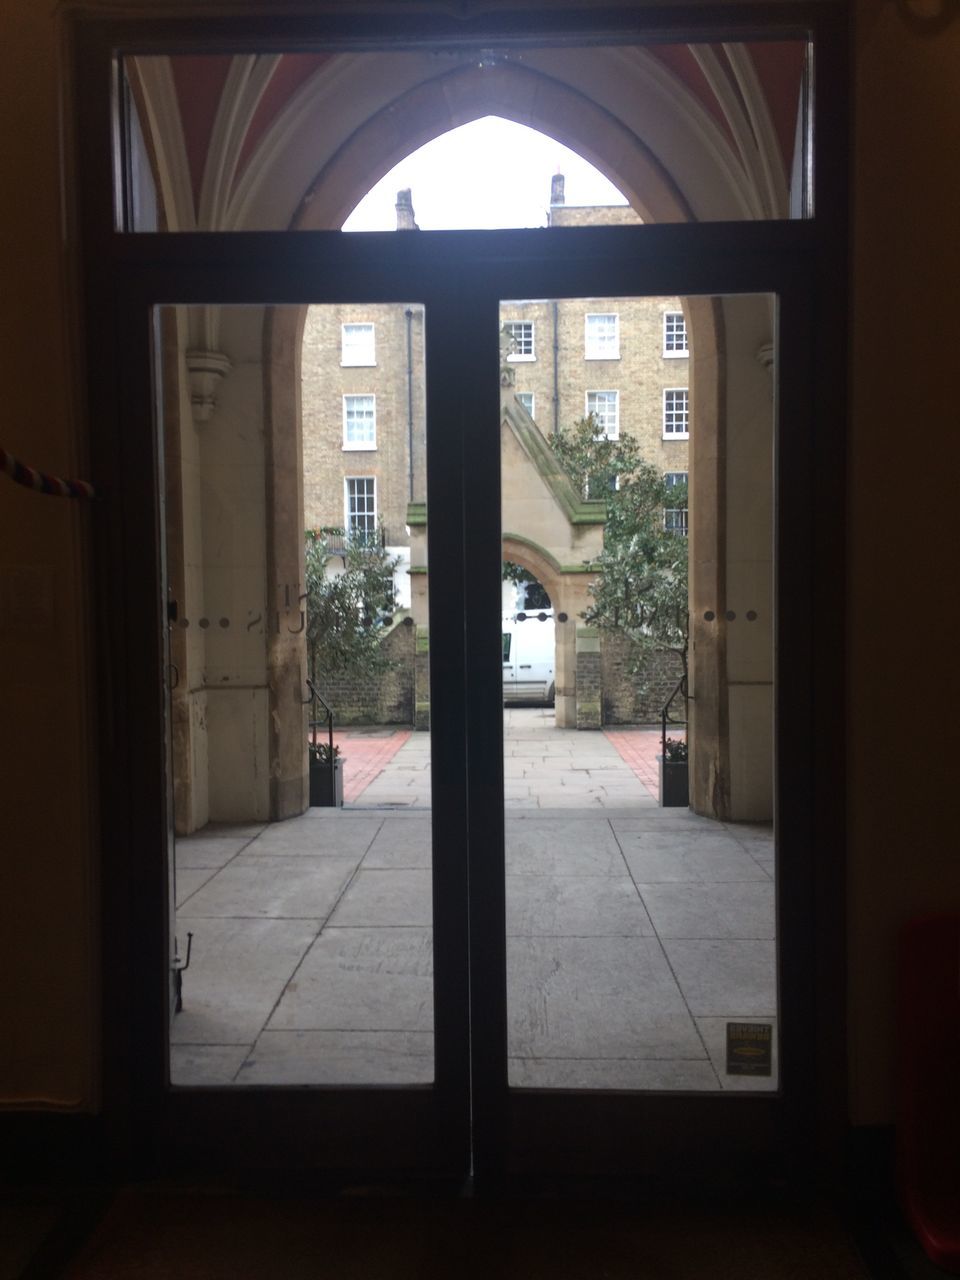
[
  {"x": 674, "y": 784},
  {"x": 326, "y": 792}
]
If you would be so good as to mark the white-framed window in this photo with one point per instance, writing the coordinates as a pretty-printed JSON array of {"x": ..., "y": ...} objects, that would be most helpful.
[
  {"x": 605, "y": 407},
  {"x": 601, "y": 336},
  {"x": 360, "y": 507},
  {"x": 675, "y": 518},
  {"x": 357, "y": 344},
  {"x": 520, "y": 334},
  {"x": 526, "y": 398},
  {"x": 676, "y": 413},
  {"x": 360, "y": 422},
  {"x": 674, "y": 334}
]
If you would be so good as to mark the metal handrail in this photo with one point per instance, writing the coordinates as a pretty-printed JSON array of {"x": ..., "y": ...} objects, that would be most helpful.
[
  {"x": 665, "y": 717},
  {"x": 314, "y": 724}
]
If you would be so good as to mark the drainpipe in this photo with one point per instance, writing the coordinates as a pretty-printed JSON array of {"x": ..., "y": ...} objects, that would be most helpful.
[
  {"x": 556, "y": 389},
  {"x": 408, "y": 314}
]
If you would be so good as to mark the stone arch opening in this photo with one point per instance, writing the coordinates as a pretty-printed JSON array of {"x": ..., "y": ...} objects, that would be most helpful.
[
  {"x": 573, "y": 119},
  {"x": 568, "y": 595}
]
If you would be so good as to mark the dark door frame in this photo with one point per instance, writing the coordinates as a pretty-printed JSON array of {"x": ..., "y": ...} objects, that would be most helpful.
[{"x": 125, "y": 275}]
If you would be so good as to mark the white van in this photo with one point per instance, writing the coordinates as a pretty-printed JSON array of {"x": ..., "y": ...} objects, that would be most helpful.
[{"x": 528, "y": 657}]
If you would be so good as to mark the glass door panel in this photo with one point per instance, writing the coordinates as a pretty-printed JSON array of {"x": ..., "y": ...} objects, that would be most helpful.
[
  {"x": 298, "y": 617},
  {"x": 640, "y": 908},
  {"x": 593, "y": 912}
]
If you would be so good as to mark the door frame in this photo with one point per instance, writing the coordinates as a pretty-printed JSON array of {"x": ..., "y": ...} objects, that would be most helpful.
[{"x": 801, "y": 262}]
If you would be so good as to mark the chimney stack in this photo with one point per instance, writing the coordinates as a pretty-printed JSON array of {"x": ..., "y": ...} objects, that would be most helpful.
[
  {"x": 405, "y": 218},
  {"x": 556, "y": 189}
]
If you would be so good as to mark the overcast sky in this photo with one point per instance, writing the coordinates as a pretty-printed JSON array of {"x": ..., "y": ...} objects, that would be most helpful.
[{"x": 490, "y": 173}]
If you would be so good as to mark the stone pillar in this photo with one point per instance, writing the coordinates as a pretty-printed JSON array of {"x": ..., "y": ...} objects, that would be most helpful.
[
  {"x": 421, "y": 680},
  {"x": 589, "y": 684},
  {"x": 565, "y": 675}
]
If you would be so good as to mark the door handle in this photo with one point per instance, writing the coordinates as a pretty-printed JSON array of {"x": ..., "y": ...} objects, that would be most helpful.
[{"x": 525, "y": 666}]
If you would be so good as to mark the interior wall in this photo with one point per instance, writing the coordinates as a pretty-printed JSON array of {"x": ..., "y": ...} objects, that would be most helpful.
[
  {"x": 906, "y": 191},
  {"x": 49, "y": 835},
  {"x": 906, "y": 264}
]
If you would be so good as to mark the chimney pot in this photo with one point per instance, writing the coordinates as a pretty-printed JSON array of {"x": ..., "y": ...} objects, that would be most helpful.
[
  {"x": 556, "y": 189},
  {"x": 405, "y": 218}
]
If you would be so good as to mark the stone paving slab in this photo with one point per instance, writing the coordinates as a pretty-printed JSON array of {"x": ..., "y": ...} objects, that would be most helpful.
[
  {"x": 723, "y": 910},
  {"x": 288, "y": 888},
  {"x": 575, "y": 906},
  {"x": 238, "y": 971},
  {"x": 635, "y": 932},
  {"x": 240, "y": 831},
  {"x": 595, "y": 998},
  {"x": 340, "y": 1057},
  {"x": 689, "y": 862},
  {"x": 190, "y": 879},
  {"x": 561, "y": 847},
  {"x": 402, "y": 841},
  {"x": 725, "y": 978},
  {"x": 666, "y": 1074},
  {"x": 379, "y": 898},
  {"x": 203, "y": 851},
  {"x": 374, "y": 979},
  {"x": 206, "y": 1064},
  {"x": 295, "y": 838}
]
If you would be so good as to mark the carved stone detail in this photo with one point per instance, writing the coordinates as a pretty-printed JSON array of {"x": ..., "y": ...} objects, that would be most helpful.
[{"x": 206, "y": 369}]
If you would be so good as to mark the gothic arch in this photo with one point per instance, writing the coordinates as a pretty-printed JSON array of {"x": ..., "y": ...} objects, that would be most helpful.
[{"x": 544, "y": 103}]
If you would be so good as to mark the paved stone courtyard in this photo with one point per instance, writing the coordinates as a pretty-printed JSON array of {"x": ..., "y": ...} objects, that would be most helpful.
[{"x": 634, "y": 933}]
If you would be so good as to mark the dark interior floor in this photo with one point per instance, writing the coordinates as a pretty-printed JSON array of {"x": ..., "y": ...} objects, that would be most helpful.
[{"x": 155, "y": 1231}]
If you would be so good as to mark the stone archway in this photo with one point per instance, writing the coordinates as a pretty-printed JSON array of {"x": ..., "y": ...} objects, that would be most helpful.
[
  {"x": 548, "y": 105},
  {"x": 684, "y": 173},
  {"x": 567, "y": 588}
]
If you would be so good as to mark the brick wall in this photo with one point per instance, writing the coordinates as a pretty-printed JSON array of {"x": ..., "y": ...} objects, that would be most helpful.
[
  {"x": 640, "y": 374},
  {"x": 387, "y": 698},
  {"x": 324, "y": 383},
  {"x": 630, "y": 699},
  {"x": 607, "y": 690}
]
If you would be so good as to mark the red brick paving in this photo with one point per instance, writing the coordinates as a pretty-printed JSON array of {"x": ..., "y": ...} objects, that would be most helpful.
[
  {"x": 639, "y": 748},
  {"x": 365, "y": 755}
]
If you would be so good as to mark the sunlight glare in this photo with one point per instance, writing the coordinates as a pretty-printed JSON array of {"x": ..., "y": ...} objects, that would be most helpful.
[{"x": 487, "y": 174}]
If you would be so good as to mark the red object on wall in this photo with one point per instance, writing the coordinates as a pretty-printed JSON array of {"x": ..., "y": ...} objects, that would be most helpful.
[{"x": 928, "y": 1093}]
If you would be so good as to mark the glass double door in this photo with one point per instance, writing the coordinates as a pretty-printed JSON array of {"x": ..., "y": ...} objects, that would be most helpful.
[{"x": 502, "y": 953}]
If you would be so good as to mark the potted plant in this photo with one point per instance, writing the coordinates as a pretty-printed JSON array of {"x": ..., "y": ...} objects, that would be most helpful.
[
  {"x": 674, "y": 781},
  {"x": 326, "y": 775}
]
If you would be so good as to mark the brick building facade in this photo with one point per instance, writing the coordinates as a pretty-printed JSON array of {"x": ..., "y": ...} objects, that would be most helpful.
[{"x": 625, "y": 360}]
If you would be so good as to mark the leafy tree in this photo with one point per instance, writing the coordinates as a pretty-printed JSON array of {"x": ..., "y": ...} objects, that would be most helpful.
[
  {"x": 535, "y": 592},
  {"x": 346, "y": 611},
  {"x": 641, "y": 588}
]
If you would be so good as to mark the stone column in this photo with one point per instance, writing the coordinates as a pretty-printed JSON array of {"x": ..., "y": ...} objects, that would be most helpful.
[
  {"x": 421, "y": 680},
  {"x": 589, "y": 681},
  {"x": 565, "y": 674}
]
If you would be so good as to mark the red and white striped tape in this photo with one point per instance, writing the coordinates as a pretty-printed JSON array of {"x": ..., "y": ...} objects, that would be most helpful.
[{"x": 40, "y": 482}]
